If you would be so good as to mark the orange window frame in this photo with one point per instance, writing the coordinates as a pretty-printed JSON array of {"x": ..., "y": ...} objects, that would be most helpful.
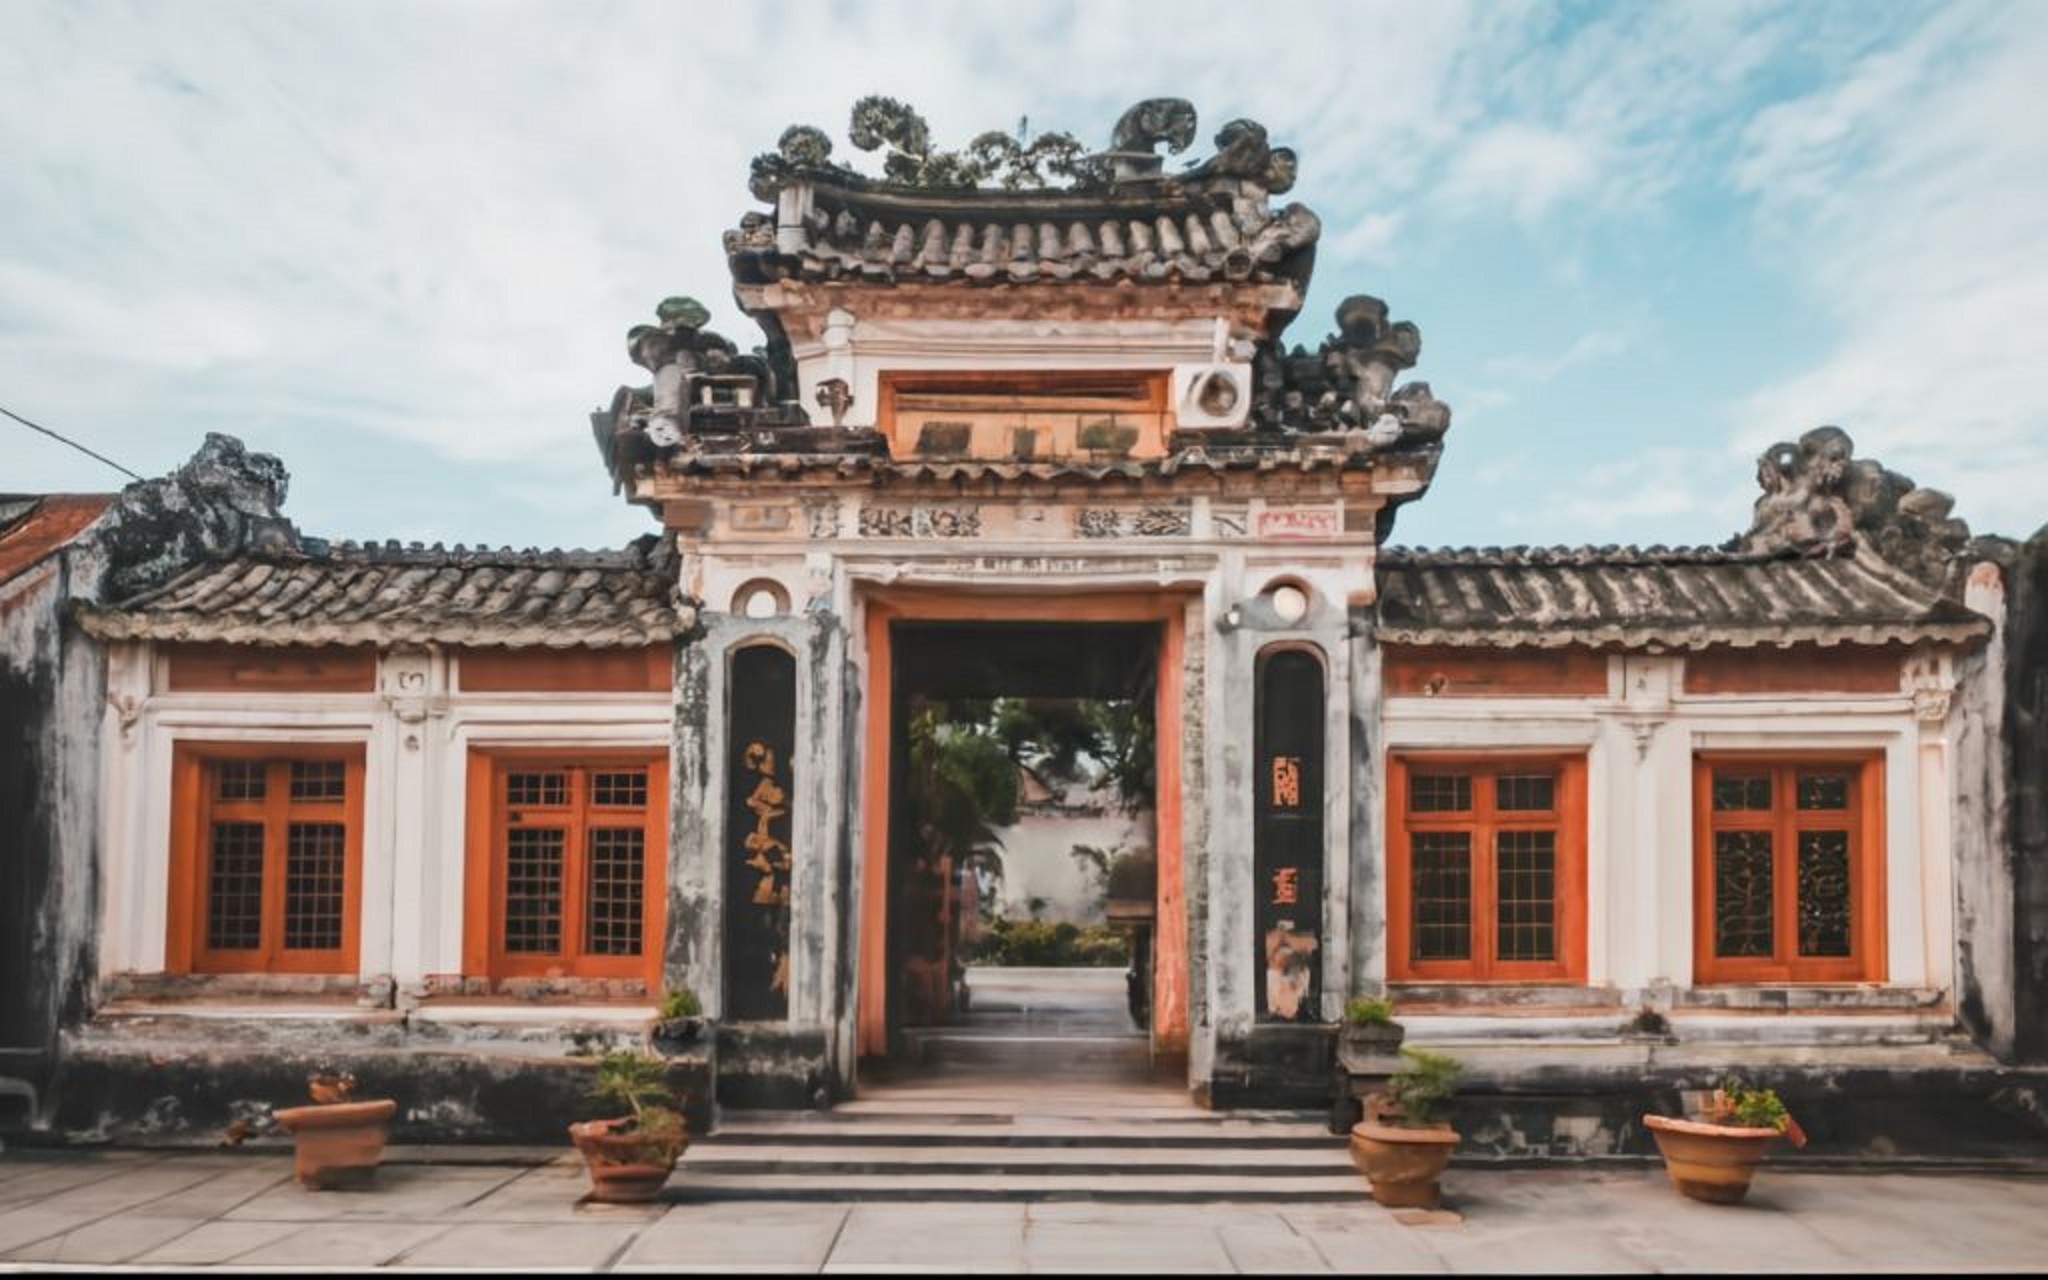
[
  {"x": 1483, "y": 821},
  {"x": 196, "y": 806},
  {"x": 489, "y": 820},
  {"x": 1864, "y": 821}
]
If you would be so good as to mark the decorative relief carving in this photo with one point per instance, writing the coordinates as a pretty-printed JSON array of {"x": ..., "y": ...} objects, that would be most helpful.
[
  {"x": 821, "y": 518},
  {"x": 920, "y": 522},
  {"x": 1231, "y": 522},
  {"x": 1149, "y": 522}
]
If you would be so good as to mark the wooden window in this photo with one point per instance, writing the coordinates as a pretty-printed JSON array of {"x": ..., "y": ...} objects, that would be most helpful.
[
  {"x": 1788, "y": 881},
  {"x": 1486, "y": 881},
  {"x": 566, "y": 863},
  {"x": 266, "y": 858}
]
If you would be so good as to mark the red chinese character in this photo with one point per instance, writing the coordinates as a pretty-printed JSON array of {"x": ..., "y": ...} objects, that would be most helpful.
[
  {"x": 1286, "y": 886},
  {"x": 1286, "y": 782}
]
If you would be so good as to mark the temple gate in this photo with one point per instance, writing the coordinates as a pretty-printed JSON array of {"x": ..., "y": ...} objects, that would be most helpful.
[{"x": 989, "y": 396}]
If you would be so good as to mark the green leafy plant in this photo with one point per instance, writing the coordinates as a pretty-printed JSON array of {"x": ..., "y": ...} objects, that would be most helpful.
[
  {"x": 680, "y": 1002},
  {"x": 1422, "y": 1090},
  {"x": 1752, "y": 1108},
  {"x": 1368, "y": 1010}
]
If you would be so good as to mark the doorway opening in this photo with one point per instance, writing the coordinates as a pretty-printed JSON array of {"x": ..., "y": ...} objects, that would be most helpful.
[{"x": 1025, "y": 908}]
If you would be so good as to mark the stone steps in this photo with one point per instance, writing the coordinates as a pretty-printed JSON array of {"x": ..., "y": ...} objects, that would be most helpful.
[{"x": 949, "y": 1138}]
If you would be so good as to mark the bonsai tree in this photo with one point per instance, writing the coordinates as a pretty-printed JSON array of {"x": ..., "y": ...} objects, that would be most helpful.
[
  {"x": 1420, "y": 1092},
  {"x": 638, "y": 1083},
  {"x": 1403, "y": 1146},
  {"x": 629, "y": 1157}
]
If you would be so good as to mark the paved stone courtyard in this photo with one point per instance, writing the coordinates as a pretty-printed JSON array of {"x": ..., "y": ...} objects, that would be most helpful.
[{"x": 520, "y": 1210}]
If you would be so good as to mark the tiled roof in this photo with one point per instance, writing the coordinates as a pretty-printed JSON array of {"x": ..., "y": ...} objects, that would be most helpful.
[
  {"x": 42, "y": 523},
  {"x": 1296, "y": 453},
  {"x": 1687, "y": 598},
  {"x": 1171, "y": 234},
  {"x": 388, "y": 594}
]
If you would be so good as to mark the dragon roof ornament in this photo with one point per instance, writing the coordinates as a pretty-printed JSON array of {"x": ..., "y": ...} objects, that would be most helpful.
[{"x": 1053, "y": 162}]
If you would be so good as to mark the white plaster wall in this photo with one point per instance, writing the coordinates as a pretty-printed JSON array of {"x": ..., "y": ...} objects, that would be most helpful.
[{"x": 1038, "y": 861}]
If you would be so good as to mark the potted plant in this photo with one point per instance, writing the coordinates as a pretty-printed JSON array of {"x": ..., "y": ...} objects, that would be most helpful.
[
  {"x": 1369, "y": 1027},
  {"x": 1713, "y": 1157},
  {"x": 629, "y": 1157},
  {"x": 336, "y": 1142},
  {"x": 680, "y": 1018},
  {"x": 1404, "y": 1142}
]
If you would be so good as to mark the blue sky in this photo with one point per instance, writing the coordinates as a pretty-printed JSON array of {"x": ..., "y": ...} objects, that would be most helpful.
[{"x": 399, "y": 244}]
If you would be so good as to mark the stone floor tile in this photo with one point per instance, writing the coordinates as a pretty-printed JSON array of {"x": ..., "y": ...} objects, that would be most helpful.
[
  {"x": 1384, "y": 1249},
  {"x": 416, "y": 1193},
  {"x": 1123, "y": 1247},
  {"x": 213, "y": 1243},
  {"x": 739, "y": 1236},
  {"x": 347, "y": 1244},
  {"x": 118, "y": 1238},
  {"x": 939, "y": 1237},
  {"x": 1271, "y": 1249},
  {"x": 526, "y": 1245},
  {"x": 225, "y": 1190}
]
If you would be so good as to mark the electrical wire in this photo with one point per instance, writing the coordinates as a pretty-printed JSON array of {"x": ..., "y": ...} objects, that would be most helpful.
[{"x": 62, "y": 439}]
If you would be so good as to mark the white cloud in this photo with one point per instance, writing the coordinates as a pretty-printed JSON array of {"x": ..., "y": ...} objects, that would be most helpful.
[
  {"x": 1912, "y": 201},
  {"x": 1587, "y": 348},
  {"x": 1528, "y": 168},
  {"x": 1368, "y": 239}
]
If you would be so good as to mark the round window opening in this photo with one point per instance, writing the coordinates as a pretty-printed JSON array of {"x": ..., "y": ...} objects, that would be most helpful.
[
  {"x": 1290, "y": 603},
  {"x": 760, "y": 599}
]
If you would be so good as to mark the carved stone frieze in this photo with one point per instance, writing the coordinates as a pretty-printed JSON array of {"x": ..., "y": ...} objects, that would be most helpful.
[
  {"x": 920, "y": 522},
  {"x": 1145, "y": 522}
]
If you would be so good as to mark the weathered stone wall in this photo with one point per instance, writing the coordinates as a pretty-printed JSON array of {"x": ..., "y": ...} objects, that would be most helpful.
[
  {"x": 1975, "y": 729},
  {"x": 52, "y": 689},
  {"x": 2026, "y": 756}
]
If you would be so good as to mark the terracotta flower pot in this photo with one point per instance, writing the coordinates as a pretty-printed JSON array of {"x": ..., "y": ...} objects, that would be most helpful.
[
  {"x": 337, "y": 1144},
  {"x": 1711, "y": 1162},
  {"x": 1402, "y": 1163},
  {"x": 628, "y": 1167}
]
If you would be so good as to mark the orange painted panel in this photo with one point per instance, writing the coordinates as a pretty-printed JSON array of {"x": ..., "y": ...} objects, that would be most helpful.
[
  {"x": 1804, "y": 669},
  {"x": 230, "y": 668},
  {"x": 1423, "y": 671},
  {"x": 1023, "y": 415},
  {"x": 564, "y": 670}
]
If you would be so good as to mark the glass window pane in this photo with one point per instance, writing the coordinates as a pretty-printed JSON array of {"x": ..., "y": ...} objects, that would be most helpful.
[
  {"x": 619, "y": 788},
  {"x": 613, "y": 890},
  {"x": 533, "y": 890},
  {"x": 314, "y": 872},
  {"x": 234, "y": 886},
  {"x": 1742, "y": 894},
  {"x": 1526, "y": 903},
  {"x": 319, "y": 780},
  {"x": 1823, "y": 790},
  {"x": 1439, "y": 792},
  {"x": 537, "y": 788},
  {"x": 239, "y": 780},
  {"x": 1741, "y": 791},
  {"x": 1824, "y": 893},
  {"x": 1442, "y": 896},
  {"x": 1526, "y": 791}
]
